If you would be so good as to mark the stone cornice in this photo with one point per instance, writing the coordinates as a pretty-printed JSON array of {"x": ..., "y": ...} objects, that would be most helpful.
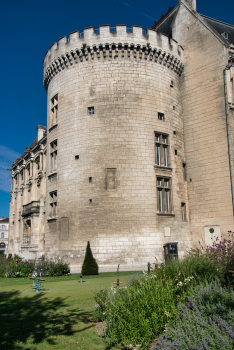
[{"x": 112, "y": 51}]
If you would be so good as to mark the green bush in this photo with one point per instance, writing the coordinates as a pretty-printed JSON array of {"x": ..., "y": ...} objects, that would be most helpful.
[
  {"x": 137, "y": 313},
  {"x": 205, "y": 322},
  {"x": 90, "y": 266},
  {"x": 16, "y": 267}
]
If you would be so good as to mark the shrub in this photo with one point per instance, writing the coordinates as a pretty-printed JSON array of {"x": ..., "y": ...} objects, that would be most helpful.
[
  {"x": 51, "y": 268},
  {"x": 22, "y": 268},
  {"x": 205, "y": 322},
  {"x": 90, "y": 266},
  {"x": 136, "y": 314},
  {"x": 221, "y": 253}
]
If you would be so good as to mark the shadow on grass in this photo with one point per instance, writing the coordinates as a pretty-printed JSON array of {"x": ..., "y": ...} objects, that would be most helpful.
[{"x": 36, "y": 319}]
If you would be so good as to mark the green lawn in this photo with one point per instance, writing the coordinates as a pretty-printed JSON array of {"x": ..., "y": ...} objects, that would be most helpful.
[{"x": 61, "y": 316}]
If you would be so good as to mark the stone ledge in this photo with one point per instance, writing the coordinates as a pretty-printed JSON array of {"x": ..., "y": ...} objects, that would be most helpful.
[
  {"x": 163, "y": 168},
  {"x": 166, "y": 214},
  {"x": 52, "y": 219},
  {"x": 53, "y": 127},
  {"x": 52, "y": 175}
]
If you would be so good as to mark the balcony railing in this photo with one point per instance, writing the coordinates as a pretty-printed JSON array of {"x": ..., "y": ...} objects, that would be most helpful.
[{"x": 32, "y": 207}]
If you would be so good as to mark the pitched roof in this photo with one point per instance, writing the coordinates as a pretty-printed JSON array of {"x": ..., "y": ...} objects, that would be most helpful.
[
  {"x": 221, "y": 28},
  {"x": 5, "y": 220},
  {"x": 29, "y": 149},
  {"x": 217, "y": 26}
]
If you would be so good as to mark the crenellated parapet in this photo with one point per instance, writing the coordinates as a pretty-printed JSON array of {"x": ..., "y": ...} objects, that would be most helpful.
[{"x": 106, "y": 44}]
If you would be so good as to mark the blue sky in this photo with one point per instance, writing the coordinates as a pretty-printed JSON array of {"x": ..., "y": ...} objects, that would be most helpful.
[{"x": 28, "y": 28}]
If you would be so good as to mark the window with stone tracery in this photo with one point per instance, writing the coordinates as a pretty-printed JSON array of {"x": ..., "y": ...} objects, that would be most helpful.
[
  {"x": 161, "y": 149},
  {"x": 53, "y": 204},
  {"x": 164, "y": 194}
]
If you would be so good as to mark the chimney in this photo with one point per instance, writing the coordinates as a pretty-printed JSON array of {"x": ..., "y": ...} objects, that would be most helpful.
[
  {"x": 191, "y": 3},
  {"x": 40, "y": 132}
]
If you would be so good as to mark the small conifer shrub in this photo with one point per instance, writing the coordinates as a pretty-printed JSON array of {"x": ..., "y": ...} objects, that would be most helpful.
[{"x": 90, "y": 266}]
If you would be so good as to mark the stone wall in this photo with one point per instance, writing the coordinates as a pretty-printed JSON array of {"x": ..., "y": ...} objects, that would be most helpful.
[
  {"x": 116, "y": 148},
  {"x": 205, "y": 130}
]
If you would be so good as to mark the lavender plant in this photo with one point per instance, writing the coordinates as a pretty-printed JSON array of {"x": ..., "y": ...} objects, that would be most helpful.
[{"x": 204, "y": 322}]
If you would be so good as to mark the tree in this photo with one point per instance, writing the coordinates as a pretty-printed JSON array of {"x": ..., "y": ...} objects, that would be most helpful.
[{"x": 90, "y": 266}]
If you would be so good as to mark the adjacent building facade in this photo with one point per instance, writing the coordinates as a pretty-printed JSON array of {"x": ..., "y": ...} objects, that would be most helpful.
[
  {"x": 4, "y": 234},
  {"x": 138, "y": 154}
]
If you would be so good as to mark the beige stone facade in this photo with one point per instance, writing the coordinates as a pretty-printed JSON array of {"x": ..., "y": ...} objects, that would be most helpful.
[
  {"x": 137, "y": 147},
  {"x": 28, "y": 196},
  {"x": 4, "y": 235}
]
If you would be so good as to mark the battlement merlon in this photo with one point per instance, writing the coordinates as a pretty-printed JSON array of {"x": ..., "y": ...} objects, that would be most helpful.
[{"x": 104, "y": 35}]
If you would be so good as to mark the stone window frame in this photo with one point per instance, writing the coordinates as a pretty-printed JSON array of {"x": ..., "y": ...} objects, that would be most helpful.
[
  {"x": 16, "y": 179},
  {"x": 183, "y": 211},
  {"x": 53, "y": 156},
  {"x": 53, "y": 204},
  {"x": 2, "y": 235},
  {"x": 22, "y": 175},
  {"x": 54, "y": 110},
  {"x": 164, "y": 194},
  {"x": 162, "y": 147},
  {"x": 37, "y": 162}
]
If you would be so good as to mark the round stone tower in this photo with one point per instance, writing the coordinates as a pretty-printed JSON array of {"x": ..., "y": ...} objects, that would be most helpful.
[{"x": 115, "y": 164}]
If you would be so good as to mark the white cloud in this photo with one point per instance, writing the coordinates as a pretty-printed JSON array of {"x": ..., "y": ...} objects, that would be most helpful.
[{"x": 7, "y": 156}]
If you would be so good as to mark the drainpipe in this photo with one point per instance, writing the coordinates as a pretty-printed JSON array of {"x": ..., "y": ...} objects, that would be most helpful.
[{"x": 227, "y": 122}]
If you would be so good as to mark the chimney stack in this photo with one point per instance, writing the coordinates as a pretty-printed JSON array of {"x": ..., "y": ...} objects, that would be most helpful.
[
  {"x": 191, "y": 3},
  {"x": 40, "y": 132}
]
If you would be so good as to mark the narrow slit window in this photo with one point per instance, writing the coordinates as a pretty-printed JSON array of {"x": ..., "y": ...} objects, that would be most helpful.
[
  {"x": 183, "y": 211},
  {"x": 184, "y": 172},
  {"x": 53, "y": 155},
  {"x": 54, "y": 110}
]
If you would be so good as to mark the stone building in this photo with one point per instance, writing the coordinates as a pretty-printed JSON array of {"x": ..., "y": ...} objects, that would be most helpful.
[
  {"x": 4, "y": 234},
  {"x": 28, "y": 197},
  {"x": 140, "y": 144}
]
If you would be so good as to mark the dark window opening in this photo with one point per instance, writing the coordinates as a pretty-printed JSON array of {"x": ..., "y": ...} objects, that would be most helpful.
[
  {"x": 77, "y": 157},
  {"x": 90, "y": 179},
  {"x": 90, "y": 201},
  {"x": 171, "y": 252},
  {"x": 176, "y": 152},
  {"x": 161, "y": 116},
  {"x": 174, "y": 132},
  {"x": 90, "y": 110},
  {"x": 184, "y": 171}
]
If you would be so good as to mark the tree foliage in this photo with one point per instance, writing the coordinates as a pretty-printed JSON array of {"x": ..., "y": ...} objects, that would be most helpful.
[{"x": 90, "y": 266}]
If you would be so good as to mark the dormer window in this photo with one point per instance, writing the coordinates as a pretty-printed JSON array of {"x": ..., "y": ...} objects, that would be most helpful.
[{"x": 225, "y": 35}]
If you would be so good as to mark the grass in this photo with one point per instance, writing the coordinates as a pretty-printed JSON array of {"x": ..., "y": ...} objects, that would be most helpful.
[{"x": 60, "y": 316}]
